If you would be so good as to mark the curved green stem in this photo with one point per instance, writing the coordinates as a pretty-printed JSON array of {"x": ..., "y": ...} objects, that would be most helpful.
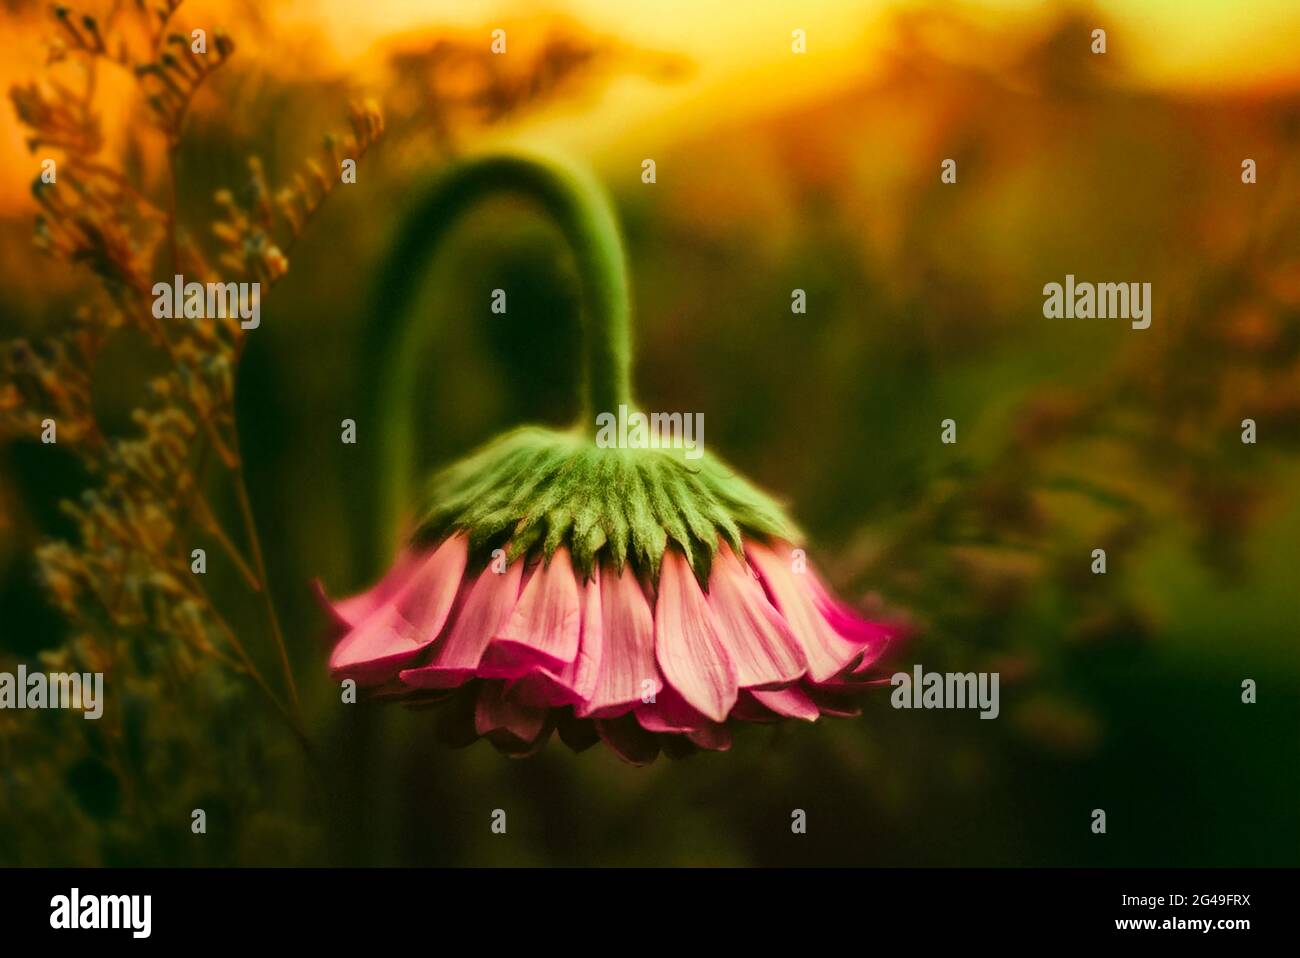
[{"x": 399, "y": 352}]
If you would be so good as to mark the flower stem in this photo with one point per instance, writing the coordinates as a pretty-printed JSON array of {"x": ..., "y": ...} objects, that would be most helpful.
[
  {"x": 230, "y": 455},
  {"x": 255, "y": 547},
  {"x": 292, "y": 718},
  {"x": 580, "y": 208}
]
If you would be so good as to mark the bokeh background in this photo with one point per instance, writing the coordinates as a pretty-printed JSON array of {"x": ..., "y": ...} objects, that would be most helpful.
[{"x": 775, "y": 171}]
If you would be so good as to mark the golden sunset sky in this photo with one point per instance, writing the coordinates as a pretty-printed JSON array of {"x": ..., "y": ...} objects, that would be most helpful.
[{"x": 740, "y": 50}]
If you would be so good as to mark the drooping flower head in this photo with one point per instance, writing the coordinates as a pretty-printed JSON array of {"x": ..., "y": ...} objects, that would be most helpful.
[{"x": 635, "y": 596}]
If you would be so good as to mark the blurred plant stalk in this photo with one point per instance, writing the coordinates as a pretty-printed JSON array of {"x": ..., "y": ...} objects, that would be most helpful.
[{"x": 126, "y": 575}]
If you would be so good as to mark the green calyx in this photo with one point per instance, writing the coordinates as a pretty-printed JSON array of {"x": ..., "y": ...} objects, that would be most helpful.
[{"x": 532, "y": 491}]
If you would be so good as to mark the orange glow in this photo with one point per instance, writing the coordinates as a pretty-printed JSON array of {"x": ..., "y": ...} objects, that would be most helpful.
[{"x": 740, "y": 53}]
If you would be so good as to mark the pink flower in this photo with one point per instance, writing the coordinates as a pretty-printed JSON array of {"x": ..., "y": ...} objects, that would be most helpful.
[
  {"x": 533, "y": 647},
  {"x": 642, "y": 591}
]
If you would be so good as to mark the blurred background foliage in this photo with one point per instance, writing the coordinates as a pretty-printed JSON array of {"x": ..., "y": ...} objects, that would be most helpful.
[{"x": 1119, "y": 692}]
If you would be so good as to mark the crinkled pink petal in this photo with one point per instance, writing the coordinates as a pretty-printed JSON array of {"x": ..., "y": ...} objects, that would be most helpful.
[
  {"x": 874, "y": 636},
  {"x": 749, "y": 709},
  {"x": 669, "y": 713},
  {"x": 576, "y": 682},
  {"x": 354, "y": 609},
  {"x": 457, "y": 654},
  {"x": 826, "y": 650},
  {"x": 626, "y": 669},
  {"x": 831, "y": 701},
  {"x": 853, "y": 682},
  {"x": 790, "y": 702},
  {"x": 712, "y": 736},
  {"x": 496, "y": 709},
  {"x": 758, "y": 640},
  {"x": 578, "y": 734},
  {"x": 543, "y": 629},
  {"x": 583, "y": 672},
  {"x": 628, "y": 740},
  {"x": 541, "y": 689},
  {"x": 410, "y": 619},
  {"x": 688, "y": 645}
]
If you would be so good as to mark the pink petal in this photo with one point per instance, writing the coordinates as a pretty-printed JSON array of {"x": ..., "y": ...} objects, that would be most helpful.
[
  {"x": 792, "y": 702},
  {"x": 749, "y": 709},
  {"x": 507, "y": 744},
  {"x": 856, "y": 680},
  {"x": 408, "y": 621},
  {"x": 583, "y": 673},
  {"x": 576, "y": 682},
  {"x": 629, "y": 740},
  {"x": 874, "y": 637},
  {"x": 625, "y": 668},
  {"x": 715, "y": 737},
  {"x": 830, "y": 701},
  {"x": 687, "y": 642},
  {"x": 758, "y": 641},
  {"x": 669, "y": 713},
  {"x": 543, "y": 630},
  {"x": 826, "y": 650},
  {"x": 578, "y": 734},
  {"x": 540, "y": 689},
  {"x": 353, "y": 610},
  {"x": 486, "y": 608},
  {"x": 495, "y": 709}
]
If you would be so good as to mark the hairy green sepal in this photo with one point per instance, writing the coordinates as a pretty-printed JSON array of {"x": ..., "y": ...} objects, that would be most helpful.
[{"x": 533, "y": 490}]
